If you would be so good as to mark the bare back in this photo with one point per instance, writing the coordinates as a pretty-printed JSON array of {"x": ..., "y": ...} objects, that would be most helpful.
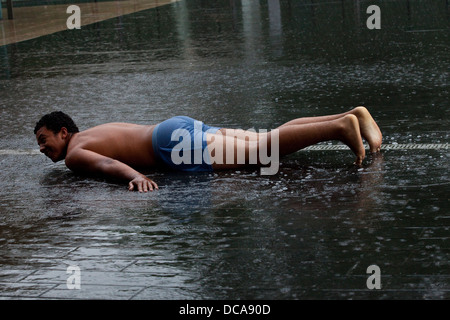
[{"x": 128, "y": 143}]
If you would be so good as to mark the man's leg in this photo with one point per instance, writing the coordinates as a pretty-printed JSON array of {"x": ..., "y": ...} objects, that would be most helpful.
[
  {"x": 291, "y": 138},
  {"x": 345, "y": 129},
  {"x": 369, "y": 129}
]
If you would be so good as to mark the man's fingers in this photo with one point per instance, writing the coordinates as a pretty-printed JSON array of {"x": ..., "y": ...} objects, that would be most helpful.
[
  {"x": 143, "y": 185},
  {"x": 149, "y": 185}
]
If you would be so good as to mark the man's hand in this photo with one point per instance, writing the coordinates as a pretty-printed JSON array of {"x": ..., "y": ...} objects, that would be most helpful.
[
  {"x": 83, "y": 160},
  {"x": 143, "y": 184}
]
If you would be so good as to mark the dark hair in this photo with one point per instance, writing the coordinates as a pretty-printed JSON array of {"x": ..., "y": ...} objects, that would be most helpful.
[{"x": 55, "y": 121}]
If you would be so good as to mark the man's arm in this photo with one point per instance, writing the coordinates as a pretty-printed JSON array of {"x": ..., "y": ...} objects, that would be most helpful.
[{"x": 82, "y": 160}]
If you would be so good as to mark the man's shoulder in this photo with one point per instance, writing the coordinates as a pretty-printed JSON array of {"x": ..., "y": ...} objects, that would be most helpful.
[{"x": 81, "y": 159}]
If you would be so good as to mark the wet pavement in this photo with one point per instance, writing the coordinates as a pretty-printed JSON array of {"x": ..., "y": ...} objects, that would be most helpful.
[{"x": 309, "y": 232}]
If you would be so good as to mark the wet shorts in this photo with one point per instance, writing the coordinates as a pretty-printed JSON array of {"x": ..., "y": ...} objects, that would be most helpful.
[{"x": 180, "y": 142}]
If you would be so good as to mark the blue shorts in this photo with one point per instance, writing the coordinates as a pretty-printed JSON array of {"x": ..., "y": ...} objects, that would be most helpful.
[{"x": 180, "y": 142}]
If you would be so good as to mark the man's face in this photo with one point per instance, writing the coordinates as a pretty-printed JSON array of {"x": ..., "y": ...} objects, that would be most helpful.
[{"x": 53, "y": 145}]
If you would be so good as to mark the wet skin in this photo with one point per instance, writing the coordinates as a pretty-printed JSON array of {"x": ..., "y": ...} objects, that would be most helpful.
[{"x": 112, "y": 149}]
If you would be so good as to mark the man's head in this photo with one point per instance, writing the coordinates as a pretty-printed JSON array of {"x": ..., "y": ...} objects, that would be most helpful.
[{"x": 53, "y": 133}]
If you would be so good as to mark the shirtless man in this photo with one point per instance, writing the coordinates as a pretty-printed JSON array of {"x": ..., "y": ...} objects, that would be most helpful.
[{"x": 120, "y": 150}]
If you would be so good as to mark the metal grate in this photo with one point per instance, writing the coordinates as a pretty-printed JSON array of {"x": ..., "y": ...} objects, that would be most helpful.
[{"x": 394, "y": 146}]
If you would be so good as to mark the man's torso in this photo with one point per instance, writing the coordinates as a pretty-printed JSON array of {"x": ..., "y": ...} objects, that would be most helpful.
[{"x": 128, "y": 143}]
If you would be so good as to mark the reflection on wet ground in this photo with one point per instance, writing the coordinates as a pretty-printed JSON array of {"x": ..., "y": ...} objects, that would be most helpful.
[
  {"x": 33, "y": 21},
  {"x": 310, "y": 231}
]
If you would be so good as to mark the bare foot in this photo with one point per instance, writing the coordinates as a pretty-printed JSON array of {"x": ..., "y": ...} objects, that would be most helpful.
[
  {"x": 369, "y": 129},
  {"x": 351, "y": 136}
]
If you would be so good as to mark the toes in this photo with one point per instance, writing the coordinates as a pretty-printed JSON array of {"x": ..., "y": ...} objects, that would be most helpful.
[
  {"x": 376, "y": 150},
  {"x": 358, "y": 161}
]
